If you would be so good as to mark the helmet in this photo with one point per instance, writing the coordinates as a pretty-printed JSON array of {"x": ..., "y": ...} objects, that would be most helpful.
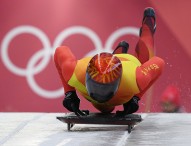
[{"x": 103, "y": 76}]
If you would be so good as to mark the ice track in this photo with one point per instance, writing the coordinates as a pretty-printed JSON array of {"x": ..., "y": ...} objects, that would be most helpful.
[{"x": 43, "y": 129}]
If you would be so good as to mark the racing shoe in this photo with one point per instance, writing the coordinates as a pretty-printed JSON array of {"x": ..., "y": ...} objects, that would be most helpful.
[
  {"x": 122, "y": 47},
  {"x": 149, "y": 19}
]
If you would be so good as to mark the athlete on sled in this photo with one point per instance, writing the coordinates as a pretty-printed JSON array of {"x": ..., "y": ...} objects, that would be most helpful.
[{"x": 108, "y": 80}]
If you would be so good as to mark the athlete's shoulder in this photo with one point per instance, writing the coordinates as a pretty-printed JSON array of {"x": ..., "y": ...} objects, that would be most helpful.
[{"x": 157, "y": 60}]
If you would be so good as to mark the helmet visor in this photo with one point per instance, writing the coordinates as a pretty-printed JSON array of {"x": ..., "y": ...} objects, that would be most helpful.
[{"x": 101, "y": 92}]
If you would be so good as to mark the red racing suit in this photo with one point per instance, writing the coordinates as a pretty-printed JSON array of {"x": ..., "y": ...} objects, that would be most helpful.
[{"x": 139, "y": 71}]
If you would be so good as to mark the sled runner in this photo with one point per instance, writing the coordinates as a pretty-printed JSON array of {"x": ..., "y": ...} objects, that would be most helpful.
[{"x": 100, "y": 118}]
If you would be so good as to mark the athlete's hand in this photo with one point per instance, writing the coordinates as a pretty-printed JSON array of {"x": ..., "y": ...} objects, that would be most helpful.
[
  {"x": 130, "y": 107},
  {"x": 71, "y": 102}
]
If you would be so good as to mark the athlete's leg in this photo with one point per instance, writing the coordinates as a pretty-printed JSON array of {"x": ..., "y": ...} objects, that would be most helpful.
[
  {"x": 65, "y": 63},
  {"x": 145, "y": 46}
]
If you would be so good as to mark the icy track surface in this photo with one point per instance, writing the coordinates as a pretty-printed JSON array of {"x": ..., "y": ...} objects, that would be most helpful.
[{"x": 43, "y": 129}]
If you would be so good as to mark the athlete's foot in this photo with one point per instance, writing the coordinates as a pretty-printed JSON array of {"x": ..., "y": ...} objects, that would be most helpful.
[{"x": 149, "y": 19}]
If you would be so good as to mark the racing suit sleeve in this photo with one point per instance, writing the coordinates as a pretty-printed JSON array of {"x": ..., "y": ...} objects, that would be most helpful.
[
  {"x": 65, "y": 63},
  {"x": 148, "y": 73}
]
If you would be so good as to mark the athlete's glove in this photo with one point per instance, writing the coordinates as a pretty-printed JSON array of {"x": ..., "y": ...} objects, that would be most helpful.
[
  {"x": 71, "y": 102},
  {"x": 130, "y": 107}
]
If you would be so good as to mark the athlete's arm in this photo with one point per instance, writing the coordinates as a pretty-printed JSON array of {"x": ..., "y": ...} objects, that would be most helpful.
[
  {"x": 148, "y": 73},
  {"x": 65, "y": 63}
]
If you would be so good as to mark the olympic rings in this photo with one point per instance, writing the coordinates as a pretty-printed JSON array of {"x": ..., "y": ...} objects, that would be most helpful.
[
  {"x": 47, "y": 51},
  {"x": 13, "y": 33}
]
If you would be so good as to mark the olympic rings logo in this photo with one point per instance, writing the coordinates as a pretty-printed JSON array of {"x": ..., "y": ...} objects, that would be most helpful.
[{"x": 47, "y": 51}]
